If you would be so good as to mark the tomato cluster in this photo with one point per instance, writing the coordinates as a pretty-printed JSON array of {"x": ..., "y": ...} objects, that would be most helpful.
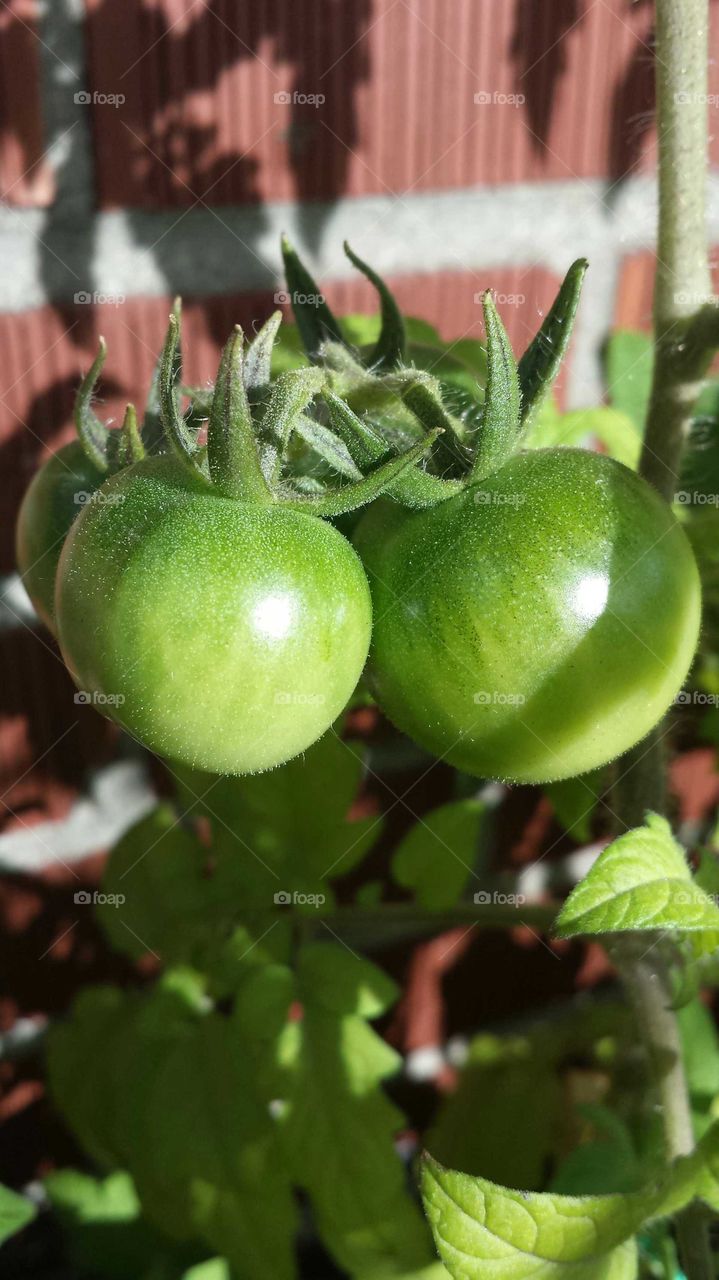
[{"x": 528, "y": 614}]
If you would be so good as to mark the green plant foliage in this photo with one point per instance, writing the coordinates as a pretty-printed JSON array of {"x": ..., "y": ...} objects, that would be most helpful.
[
  {"x": 15, "y": 1213},
  {"x": 437, "y": 856},
  {"x": 105, "y": 1234},
  {"x": 512, "y": 1083},
  {"x": 168, "y": 1094},
  {"x": 642, "y": 881},
  {"x": 628, "y": 368},
  {"x": 275, "y": 840},
  {"x": 339, "y": 1124},
  {"x": 484, "y": 1231},
  {"x": 217, "y": 1118},
  {"x": 575, "y": 800}
]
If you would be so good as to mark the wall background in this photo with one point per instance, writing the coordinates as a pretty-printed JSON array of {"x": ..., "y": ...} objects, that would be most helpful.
[{"x": 155, "y": 147}]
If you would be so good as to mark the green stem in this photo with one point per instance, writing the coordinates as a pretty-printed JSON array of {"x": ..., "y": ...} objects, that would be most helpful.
[
  {"x": 682, "y": 354},
  {"x": 683, "y": 283}
]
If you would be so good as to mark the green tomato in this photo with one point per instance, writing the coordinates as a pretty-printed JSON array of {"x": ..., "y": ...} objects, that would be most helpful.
[
  {"x": 537, "y": 625},
  {"x": 225, "y": 635},
  {"x": 56, "y": 495}
]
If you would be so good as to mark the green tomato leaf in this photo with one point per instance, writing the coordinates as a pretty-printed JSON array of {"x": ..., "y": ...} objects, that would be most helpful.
[
  {"x": 15, "y": 1213},
  {"x": 437, "y": 856},
  {"x": 513, "y": 1084},
  {"x": 483, "y": 1231},
  {"x": 165, "y": 1088},
  {"x": 104, "y": 1233},
  {"x": 499, "y": 429},
  {"x": 291, "y": 819},
  {"x": 641, "y": 881},
  {"x": 540, "y": 363},
  {"x": 339, "y": 1125},
  {"x": 628, "y": 365},
  {"x": 574, "y": 802}
]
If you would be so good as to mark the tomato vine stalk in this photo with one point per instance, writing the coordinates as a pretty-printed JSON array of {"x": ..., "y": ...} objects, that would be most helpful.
[{"x": 685, "y": 324}]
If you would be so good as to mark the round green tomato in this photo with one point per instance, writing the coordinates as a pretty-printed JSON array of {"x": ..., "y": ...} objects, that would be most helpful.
[
  {"x": 56, "y": 495},
  {"x": 223, "y": 635},
  {"x": 538, "y": 624}
]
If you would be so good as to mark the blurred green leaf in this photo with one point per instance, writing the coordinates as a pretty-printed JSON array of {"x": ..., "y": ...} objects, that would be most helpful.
[
  {"x": 340, "y": 1126},
  {"x": 606, "y": 1163},
  {"x": 438, "y": 855},
  {"x": 155, "y": 1085},
  {"x": 105, "y": 1233},
  {"x": 294, "y": 819},
  {"x": 512, "y": 1083},
  {"x": 574, "y": 802},
  {"x": 628, "y": 367},
  {"x": 15, "y": 1213}
]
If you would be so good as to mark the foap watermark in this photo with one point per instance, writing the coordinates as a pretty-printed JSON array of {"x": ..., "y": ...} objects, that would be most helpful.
[
  {"x": 83, "y": 98},
  {"x": 687, "y": 298},
  {"x": 83, "y": 498},
  {"x": 294, "y": 98},
  {"x": 496, "y": 898},
  {"x": 693, "y": 498},
  {"x": 284, "y": 298},
  {"x": 85, "y": 298},
  {"x": 696, "y": 698},
  {"x": 498, "y": 698},
  {"x": 498, "y": 498},
  {"x": 287, "y": 699},
  {"x": 501, "y": 299},
  {"x": 493, "y": 98},
  {"x": 696, "y": 99},
  {"x": 83, "y": 898},
  {"x": 285, "y": 898},
  {"x": 95, "y": 699}
]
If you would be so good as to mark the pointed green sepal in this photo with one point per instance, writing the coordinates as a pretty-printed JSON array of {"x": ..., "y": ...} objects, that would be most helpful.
[
  {"x": 499, "y": 430},
  {"x": 94, "y": 435},
  {"x": 540, "y": 363},
  {"x": 175, "y": 427},
  {"x": 327, "y": 445},
  {"x": 129, "y": 447},
  {"x": 423, "y": 396},
  {"x": 391, "y": 347},
  {"x": 258, "y": 357},
  {"x": 232, "y": 448},
  {"x": 153, "y": 431},
  {"x": 291, "y": 392},
  {"x": 413, "y": 487},
  {"x": 358, "y": 494},
  {"x": 314, "y": 319}
]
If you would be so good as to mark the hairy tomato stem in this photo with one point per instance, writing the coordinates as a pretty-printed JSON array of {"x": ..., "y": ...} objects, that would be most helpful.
[{"x": 682, "y": 297}]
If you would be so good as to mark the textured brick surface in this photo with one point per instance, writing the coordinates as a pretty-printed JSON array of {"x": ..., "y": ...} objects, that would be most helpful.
[
  {"x": 201, "y": 122},
  {"x": 25, "y": 177}
]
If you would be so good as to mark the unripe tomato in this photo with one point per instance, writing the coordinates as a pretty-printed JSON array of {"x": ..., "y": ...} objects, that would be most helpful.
[
  {"x": 56, "y": 495},
  {"x": 222, "y": 634},
  {"x": 536, "y": 625}
]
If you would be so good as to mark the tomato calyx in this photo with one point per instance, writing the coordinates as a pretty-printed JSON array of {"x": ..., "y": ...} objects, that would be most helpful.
[
  {"x": 473, "y": 439},
  {"x": 250, "y": 424}
]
